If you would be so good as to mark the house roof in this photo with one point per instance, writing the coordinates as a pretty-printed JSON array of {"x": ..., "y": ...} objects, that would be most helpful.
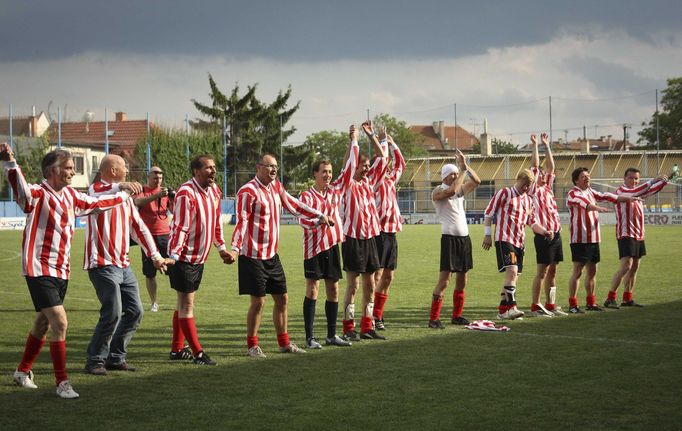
[
  {"x": 431, "y": 141},
  {"x": 123, "y": 134},
  {"x": 20, "y": 126}
]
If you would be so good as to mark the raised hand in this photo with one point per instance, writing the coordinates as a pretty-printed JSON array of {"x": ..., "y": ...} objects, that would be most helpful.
[
  {"x": 367, "y": 127},
  {"x": 131, "y": 187},
  {"x": 353, "y": 133},
  {"x": 534, "y": 140},
  {"x": 6, "y": 153},
  {"x": 545, "y": 139}
]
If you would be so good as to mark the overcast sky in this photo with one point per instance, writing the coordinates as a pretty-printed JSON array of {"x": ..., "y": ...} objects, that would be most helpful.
[{"x": 599, "y": 60}]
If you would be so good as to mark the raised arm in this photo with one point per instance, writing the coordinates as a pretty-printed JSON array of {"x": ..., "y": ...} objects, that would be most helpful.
[
  {"x": 465, "y": 169},
  {"x": 379, "y": 151},
  {"x": 24, "y": 194},
  {"x": 549, "y": 158},
  {"x": 534, "y": 158},
  {"x": 350, "y": 162}
]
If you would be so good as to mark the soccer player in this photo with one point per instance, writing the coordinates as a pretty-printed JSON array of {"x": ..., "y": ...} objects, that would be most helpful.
[
  {"x": 513, "y": 209},
  {"x": 583, "y": 214},
  {"x": 360, "y": 254},
  {"x": 321, "y": 242},
  {"x": 455, "y": 243},
  {"x": 630, "y": 235},
  {"x": 196, "y": 224},
  {"x": 390, "y": 223},
  {"x": 51, "y": 207},
  {"x": 107, "y": 245},
  {"x": 255, "y": 239},
  {"x": 155, "y": 203},
  {"x": 548, "y": 253}
]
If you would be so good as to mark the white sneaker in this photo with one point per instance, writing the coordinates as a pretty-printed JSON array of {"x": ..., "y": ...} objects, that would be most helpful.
[
  {"x": 25, "y": 380},
  {"x": 65, "y": 390},
  {"x": 312, "y": 343},
  {"x": 559, "y": 312},
  {"x": 291, "y": 348},
  {"x": 255, "y": 352},
  {"x": 511, "y": 314},
  {"x": 541, "y": 313},
  {"x": 337, "y": 341},
  {"x": 155, "y": 307}
]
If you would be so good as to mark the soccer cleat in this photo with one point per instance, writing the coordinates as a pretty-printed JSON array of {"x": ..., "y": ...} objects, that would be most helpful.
[
  {"x": 337, "y": 341},
  {"x": 255, "y": 352},
  {"x": 611, "y": 303},
  {"x": 371, "y": 335},
  {"x": 154, "y": 308},
  {"x": 575, "y": 310},
  {"x": 65, "y": 390},
  {"x": 379, "y": 324},
  {"x": 25, "y": 380},
  {"x": 181, "y": 355},
  {"x": 203, "y": 359},
  {"x": 511, "y": 314},
  {"x": 123, "y": 366},
  {"x": 312, "y": 343},
  {"x": 559, "y": 312},
  {"x": 436, "y": 324},
  {"x": 630, "y": 303},
  {"x": 459, "y": 321},
  {"x": 96, "y": 369},
  {"x": 351, "y": 336},
  {"x": 541, "y": 313},
  {"x": 291, "y": 348},
  {"x": 593, "y": 307}
]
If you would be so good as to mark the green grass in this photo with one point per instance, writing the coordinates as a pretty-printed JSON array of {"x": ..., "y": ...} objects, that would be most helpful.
[{"x": 614, "y": 370}]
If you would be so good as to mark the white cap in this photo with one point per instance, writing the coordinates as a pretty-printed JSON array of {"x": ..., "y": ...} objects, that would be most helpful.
[{"x": 447, "y": 170}]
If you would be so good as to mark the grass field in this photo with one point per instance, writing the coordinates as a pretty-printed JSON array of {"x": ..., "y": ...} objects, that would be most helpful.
[{"x": 620, "y": 369}]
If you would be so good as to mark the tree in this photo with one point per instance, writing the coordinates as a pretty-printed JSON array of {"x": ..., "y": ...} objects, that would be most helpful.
[
  {"x": 669, "y": 119},
  {"x": 407, "y": 140},
  {"x": 499, "y": 147},
  {"x": 254, "y": 127}
]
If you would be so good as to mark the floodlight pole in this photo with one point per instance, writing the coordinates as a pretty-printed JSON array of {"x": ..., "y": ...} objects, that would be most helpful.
[
  {"x": 149, "y": 148},
  {"x": 550, "y": 120},
  {"x": 59, "y": 128},
  {"x": 187, "y": 136},
  {"x": 11, "y": 143},
  {"x": 658, "y": 150},
  {"x": 281, "y": 153},
  {"x": 456, "y": 147},
  {"x": 224, "y": 156},
  {"x": 106, "y": 132}
]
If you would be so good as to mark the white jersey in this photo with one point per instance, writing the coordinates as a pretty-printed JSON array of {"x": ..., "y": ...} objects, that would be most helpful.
[{"x": 451, "y": 214}]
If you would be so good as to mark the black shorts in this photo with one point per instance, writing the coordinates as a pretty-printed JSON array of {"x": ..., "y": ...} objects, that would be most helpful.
[
  {"x": 324, "y": 266},
  {"x": 46, "y": 291},
  {"x": 455, "y": 253},
  {"x": 585, "y": 253},
  {"x": 630, "y": 247},
  {"x": 360, "y": 255},
  {"x": 508, "y": 255},
  {"x": 148, "y": 268},
  {"x": 548, "y": 251},
  {"x": 185, "y": 277},
  {"x": 387, "y": 248},
  {"x": 258, "y": 277}
]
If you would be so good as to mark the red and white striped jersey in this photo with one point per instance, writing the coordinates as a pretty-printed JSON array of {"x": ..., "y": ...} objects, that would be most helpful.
[
  {"x": 46, "y": 244},
  {"x": 360, "y": 215},
  {"x": 386, "y": 195},
  {"x": 546, "y": 211},
  {"x": 108, "y": 234},
  {"x": 318, "y": 237},
  {"x": 584, "y": 224},
  {"x": 630, "y": 215},
  {"x": 256, "y": 234},
  {"x": 196, "y": 223},
  {"x": 512, "y": 211}
]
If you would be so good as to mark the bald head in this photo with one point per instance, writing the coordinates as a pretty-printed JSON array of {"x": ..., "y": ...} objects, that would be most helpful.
[
  {"x": 113, "y": 168},
  {"x": 154, "y": 177}
]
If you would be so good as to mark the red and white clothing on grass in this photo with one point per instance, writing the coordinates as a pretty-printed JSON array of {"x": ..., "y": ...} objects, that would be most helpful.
[
  {"x": 108, "y": 233},
  {"x": 630, "y": 215},
  {"x": 512, "y": 211},
  {"x": 584, "y": 224},
  {"x": 259, "y": 207},
  {"x": 46, "y": 244},
  {"x": 546, "y": 211},
  {"x": 316, "y": 237},
  {"x": 385, "y": 193},
  {"x": 155, "y": 213},
  {"x": 360, "y": 214},
  {"x": 196, "y": 223}
]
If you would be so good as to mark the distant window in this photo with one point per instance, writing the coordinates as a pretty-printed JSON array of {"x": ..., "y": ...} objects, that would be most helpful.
[{"x": 78, "y": 164}]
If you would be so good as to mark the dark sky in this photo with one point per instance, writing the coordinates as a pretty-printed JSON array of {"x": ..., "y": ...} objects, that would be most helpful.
[{"x": 312, "y": 30}]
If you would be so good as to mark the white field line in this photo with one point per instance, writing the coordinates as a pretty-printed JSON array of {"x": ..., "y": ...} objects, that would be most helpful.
[
  {"x": 9, "y": 255},
  {"x": 600, "y": 339}
]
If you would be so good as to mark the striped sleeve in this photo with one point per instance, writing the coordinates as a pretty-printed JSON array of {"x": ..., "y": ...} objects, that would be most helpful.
[
  {"x": 497, "y": 200},
  {"x": 245, "y": 202},
  {"x": 654, "y": 187},
  {"x": 24, "y": 194},
  {"x": 398, "y": 163},
  {"x": 140, "y": 233},
  {"x": 307, "y": 199},
  {"x": 296, "y": 207},
  {"x": 605, "y": 196},
  {"x": 182, "y": 219},
  {"x": 575, "y": 200},
  {"x": 218, "y": 238},
  {"x": 341, "y": 183}
]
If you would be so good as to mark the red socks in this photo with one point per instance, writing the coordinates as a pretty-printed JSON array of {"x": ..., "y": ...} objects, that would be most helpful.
[
  {"x": 283, "y": 339},
  {"x": 627, "y": 296},
  {"x": 573, "y": 301},
  {"x": 534, "y": 307},
  {"x": 379, "y": 302},
  {"x": 612, "y": 295},
  {"x": 436, "y": 305},
  {"x": 591, "y": 300},
  {"x": 251, "y": 341},
  {"x": 189, "y": 328},
  {"x": 348, "y": 326},
  {"x": 178, "y": 342},
  {"x": 31, "y": 352},
  {"x": 365, "y": 324},
  {"x": 458, "y": 303},
  {"x": 58, "y": 354},
  {"x": 550, "y": 307}
]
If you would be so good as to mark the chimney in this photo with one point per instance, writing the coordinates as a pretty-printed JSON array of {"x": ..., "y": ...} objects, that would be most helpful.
[
  {"x": 610, "y": 142},
  {"x": 586, "y": 145},
  {"x": 121, "y": 116}
]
